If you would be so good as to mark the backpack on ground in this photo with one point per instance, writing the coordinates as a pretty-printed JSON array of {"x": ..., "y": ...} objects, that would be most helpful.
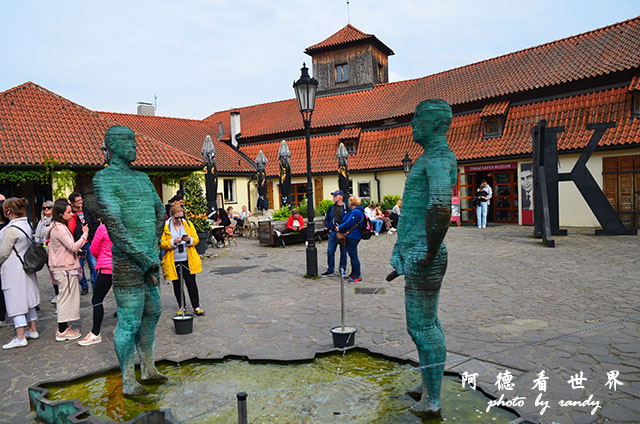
[
  {"x": 35, "y": 257},
  {"x": 366, "y": 228}
]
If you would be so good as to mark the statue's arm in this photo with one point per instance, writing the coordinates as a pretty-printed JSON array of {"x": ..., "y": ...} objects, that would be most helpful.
[
  {"x": 118, "y": 233},
  {"x": 438, "y": 214},
  {"x": 160, "y": 212}
]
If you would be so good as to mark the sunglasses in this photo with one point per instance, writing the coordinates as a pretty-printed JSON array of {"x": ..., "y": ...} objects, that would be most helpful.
[
  {"x": 178, "y": 217},
  {"x": 46, "y": 207}
]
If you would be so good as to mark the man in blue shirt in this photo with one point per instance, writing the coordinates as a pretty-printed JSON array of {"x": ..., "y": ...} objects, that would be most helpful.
[{"x": 333, "y": 217}]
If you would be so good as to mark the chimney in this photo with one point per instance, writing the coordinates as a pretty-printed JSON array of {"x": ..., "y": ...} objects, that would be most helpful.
[
  {"x": 235, "y": 128},
  {"x": 146, "y": 109}
]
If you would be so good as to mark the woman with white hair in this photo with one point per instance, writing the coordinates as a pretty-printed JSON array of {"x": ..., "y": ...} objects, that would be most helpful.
[{"x": 46, "y": 219}]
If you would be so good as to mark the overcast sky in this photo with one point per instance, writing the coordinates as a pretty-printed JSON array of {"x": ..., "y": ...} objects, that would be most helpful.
[{"x": 200, "y": 57}]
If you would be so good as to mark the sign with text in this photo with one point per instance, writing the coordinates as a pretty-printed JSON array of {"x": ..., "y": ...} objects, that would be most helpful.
[{"x": 491, "y": 167}]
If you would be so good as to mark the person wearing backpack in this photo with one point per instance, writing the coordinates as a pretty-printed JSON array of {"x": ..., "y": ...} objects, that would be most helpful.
[
  {"x": 350, "y": 227},
  {"x": 20, "y": 288}
]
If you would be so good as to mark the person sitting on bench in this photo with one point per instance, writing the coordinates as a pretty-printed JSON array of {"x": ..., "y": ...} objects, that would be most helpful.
[{"x": 295, "y": 224}]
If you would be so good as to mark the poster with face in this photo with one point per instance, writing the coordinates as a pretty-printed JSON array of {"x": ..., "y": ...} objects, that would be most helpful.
[{"x": 526, "y": 186}]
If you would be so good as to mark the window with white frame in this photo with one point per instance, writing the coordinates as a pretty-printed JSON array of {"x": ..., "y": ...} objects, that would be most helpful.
[
  {"x": 229, "y": 190},
  {"x": 364, "y": 189}
]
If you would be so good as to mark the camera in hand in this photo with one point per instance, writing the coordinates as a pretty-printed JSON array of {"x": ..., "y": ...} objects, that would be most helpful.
[
  {"x": 82, "y": 254},
  {"x": 181, "y": 248}
]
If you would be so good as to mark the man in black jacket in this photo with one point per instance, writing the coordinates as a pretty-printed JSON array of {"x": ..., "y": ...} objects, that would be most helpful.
[
  {"x": 84, "y": 216},
  {"x": 334, "y": 216}
]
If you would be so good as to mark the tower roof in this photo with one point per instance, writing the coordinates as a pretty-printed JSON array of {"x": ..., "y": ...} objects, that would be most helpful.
[{"x": 348, "y": 35}]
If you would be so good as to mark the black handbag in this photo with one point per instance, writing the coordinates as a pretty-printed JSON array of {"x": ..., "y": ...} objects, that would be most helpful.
[{"x": 35, "y": 257}]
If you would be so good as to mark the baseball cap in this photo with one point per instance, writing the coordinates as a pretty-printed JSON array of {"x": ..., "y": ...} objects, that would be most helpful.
[{"x": 340, "y": 192}]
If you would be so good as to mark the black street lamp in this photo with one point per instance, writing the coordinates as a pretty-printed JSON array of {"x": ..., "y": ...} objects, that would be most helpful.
[
  {"x": 305, "y": 89},
  {"x": 406, "y": 164}
]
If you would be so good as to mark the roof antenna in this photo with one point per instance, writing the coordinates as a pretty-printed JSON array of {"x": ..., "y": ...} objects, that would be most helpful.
[
  {"x": 348, "y": 16},
  {"x": 155, "y": 102}
]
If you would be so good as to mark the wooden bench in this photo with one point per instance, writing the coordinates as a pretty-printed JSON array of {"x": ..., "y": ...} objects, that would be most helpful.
[{"x": 266, "y": 236}]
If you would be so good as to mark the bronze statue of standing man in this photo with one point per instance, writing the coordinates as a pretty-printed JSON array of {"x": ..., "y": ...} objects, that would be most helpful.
[
  {"x": 420, "y": 254},
  {"x": 134, "y": 216}
]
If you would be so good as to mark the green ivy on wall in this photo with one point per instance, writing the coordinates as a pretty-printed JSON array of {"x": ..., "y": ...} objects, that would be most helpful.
[
  {"x": 65, "y": 182},
  {"x": 170, "y": 178}
]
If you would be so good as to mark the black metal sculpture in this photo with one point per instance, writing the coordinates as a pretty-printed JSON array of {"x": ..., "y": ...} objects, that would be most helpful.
[
  {"x": 284, "y": 155},
  {"x": 210, "y": 175},
  {"x": 261, "y": 166},
  {"x": 546, "y": 178}
]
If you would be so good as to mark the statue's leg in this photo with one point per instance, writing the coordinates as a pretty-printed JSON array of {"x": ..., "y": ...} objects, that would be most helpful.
[
  {"x": 130, "y": 301},
  {"x": 421, "y": 302},
  {"x": 150, "y": 317}
]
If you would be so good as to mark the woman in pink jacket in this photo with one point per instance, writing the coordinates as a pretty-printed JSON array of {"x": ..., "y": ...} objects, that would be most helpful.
[
  {"x": 101, "y": 250},
  {"x": 63, "y": 262}
]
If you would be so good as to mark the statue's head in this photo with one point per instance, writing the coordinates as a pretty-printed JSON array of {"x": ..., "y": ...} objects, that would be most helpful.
[
  {"x": 431, "y": 121},
  {"x": 121, "y": 143}
]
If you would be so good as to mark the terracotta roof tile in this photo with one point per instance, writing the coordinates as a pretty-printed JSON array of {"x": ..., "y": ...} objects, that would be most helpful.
[
  {"x": 37, "y": 124},
  {"x": 495, "y": 109},
  {"x": 603, "y": 51},
  {"x": 185, "y": 134},
  {"x": 385, "y": 148},
  {"x": 348, "y": 133},
  {"x": 574, "y": 113},
  {"x": 347, "y": 35},
  {"x": 635, "y": 84}
]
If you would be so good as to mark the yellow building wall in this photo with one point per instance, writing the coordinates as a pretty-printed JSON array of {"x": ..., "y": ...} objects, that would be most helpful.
[{"x": 574, "y": 211}]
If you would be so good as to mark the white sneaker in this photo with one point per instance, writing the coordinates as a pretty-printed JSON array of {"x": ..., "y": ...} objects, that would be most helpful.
[
  {"x": 278, "y": 233},
  {"x": 55, "y": 299},
  {"x": 32, "y": 334},
  {"x": 15, "y": 342},
  {"x": 377, "y": 234},
  {"x": 90, "y": 339}
]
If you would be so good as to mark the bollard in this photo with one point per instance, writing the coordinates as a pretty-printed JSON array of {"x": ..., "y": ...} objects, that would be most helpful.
[{"x": 242, "y": 408}]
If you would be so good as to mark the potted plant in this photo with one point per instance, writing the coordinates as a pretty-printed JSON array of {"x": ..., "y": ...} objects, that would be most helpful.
[{"x": 195, "y": 206}]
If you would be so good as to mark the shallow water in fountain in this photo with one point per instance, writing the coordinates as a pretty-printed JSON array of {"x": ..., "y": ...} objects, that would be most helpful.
[{"x": 332, "y": 388}]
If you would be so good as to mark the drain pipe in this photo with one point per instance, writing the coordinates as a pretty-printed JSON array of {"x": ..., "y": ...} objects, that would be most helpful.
[
  {"x": 375, "y": 177},
  {"x": 251, "y": 177},
  {"x": 242, "y": 408}
]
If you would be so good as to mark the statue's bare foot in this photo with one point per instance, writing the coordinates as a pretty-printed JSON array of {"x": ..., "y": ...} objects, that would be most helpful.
[
  {"x": 416, "y": 392},
  {"x": 426, "y": 408},
  {"x": 134, "y": 389},
  {"x": 152, "y": 375}
]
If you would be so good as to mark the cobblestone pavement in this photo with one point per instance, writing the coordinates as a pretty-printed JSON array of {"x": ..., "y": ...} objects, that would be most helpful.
[{"x": 507, "y": 303}]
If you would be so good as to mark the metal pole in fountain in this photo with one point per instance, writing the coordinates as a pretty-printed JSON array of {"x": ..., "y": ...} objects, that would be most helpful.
[
  {"x": 183, "y": 322},
  {"x": 242, "y": 407},
  {"x": 343, "y": 336}
]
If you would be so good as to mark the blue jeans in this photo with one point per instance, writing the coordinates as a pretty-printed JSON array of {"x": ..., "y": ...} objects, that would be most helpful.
[
  {"x": 352, "y": 250},
  {"x": 481, "y": 214},
  {"x": 331, "y": 254},
  {"x": 378, "y": 225},
  {"x": 91, "y": 261}
]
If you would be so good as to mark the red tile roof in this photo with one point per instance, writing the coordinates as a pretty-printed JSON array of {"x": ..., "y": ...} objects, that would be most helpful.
[
  {"x": 574, "y": 112},
  {"x": 385, "y": 148},
  {"x": 635, "y": 84},
  {"x": 348, "y": 133},
  {"x": 603, "y": 51},
  {"x": 185, "y": 134},
  {"x": 347, "y": 35},
  {"x": 495, "y": 109},
  {"x": 37, "y": 125}
]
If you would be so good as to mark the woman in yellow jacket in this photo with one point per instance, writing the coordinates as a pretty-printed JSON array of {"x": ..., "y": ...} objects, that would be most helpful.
[{"x": 178, "y": 241}]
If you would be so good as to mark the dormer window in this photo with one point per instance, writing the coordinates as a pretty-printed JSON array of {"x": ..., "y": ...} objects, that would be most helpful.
[
  {"x": 493, "y": 127},
  {"x": 342, "y": 72},
  {"x": 493, "y": 118},
  {"x": 349, "y": 137},
  {"x": 634, "y": 88}
]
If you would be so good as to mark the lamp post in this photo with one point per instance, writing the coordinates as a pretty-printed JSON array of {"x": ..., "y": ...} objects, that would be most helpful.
[
  {"x": 305, "y": 89},
  {"x": 406, "y": 164}
]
